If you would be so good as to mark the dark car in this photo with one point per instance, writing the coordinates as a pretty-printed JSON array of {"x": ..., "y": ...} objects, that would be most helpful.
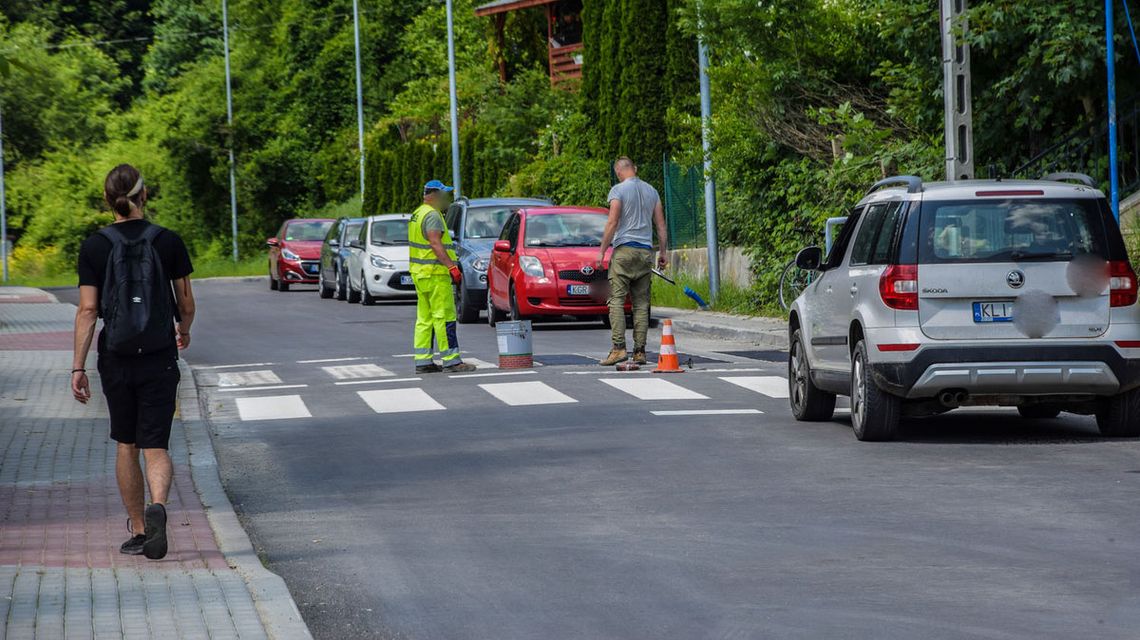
[
  {"x": 475, "y": 225},
  {"x": 334, "y": 257},
  {"x": 295, "y": 252}
]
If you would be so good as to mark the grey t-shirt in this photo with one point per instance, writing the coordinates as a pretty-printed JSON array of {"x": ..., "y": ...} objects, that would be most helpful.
[{"x": 638, "y": 200}]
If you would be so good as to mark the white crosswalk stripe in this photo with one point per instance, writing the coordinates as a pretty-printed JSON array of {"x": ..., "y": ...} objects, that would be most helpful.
[
  {"x": 357, "y": 371},
  {"x": 400, "y": 400},
  {"x": 771, "y": 386},
  {"x": 532, "y": 392},
  {"x": 480, "y": 364},
  {"x": 272, "y": 408},
  {"x": 653, "y": 389},
  {"x": 247, "y": 378}
]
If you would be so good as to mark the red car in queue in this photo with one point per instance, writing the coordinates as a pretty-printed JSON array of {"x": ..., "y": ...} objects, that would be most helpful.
[
  {"x": 543, "y": 264},
  {"x": 295, "y": 252}
]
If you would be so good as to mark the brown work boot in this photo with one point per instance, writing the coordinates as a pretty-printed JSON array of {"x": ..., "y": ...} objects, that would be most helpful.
[
  {"x": 428, "y": 368},
  {"x": 617, "y": 354},
  {"x": 462, "y": 367},
  {"x": 639, "y": 356}
]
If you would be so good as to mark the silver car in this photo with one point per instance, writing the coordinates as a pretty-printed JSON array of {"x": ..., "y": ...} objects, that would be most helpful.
[
  {"x": 379, "y": 267},
  {"x": 942, "y": 295}
]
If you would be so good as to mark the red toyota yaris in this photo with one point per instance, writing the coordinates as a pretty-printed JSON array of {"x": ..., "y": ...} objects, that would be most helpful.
[
  {"x": 295, "y": 252},
  {"x": 544, "y": 265}
]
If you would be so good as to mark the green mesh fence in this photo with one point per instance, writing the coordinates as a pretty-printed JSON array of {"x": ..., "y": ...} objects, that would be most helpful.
[{"x": 682, "y": 190}]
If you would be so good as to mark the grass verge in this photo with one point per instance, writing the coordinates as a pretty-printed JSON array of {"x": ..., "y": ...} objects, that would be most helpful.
[{"x": 732, "y": 299}]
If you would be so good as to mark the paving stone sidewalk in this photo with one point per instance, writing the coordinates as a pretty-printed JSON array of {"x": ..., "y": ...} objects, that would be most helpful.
[{"x": 62, "y": 521}]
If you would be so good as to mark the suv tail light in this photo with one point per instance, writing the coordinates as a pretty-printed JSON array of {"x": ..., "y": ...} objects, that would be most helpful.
[
  {"x": 1121, "y": 284},
  {"x": 898, "y": 287}
]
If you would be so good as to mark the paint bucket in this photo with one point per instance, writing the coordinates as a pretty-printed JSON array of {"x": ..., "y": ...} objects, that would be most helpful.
[{"x": 515, "y": 350}]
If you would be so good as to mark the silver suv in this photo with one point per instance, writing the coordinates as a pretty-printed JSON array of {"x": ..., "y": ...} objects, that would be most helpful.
[{"x": 989, "y": 292}]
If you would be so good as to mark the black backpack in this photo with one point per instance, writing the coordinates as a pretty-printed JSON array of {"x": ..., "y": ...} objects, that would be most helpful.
[{"x": 137, "y": 309}]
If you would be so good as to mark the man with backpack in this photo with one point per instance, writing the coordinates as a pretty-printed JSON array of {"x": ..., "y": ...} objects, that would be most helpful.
[{"x": 126, "y": 274}]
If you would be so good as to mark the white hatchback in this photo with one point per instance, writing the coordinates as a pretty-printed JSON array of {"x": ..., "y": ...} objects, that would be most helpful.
[
  {"x": 942, "y": 295},
  {"x": 380, "y": 268}
]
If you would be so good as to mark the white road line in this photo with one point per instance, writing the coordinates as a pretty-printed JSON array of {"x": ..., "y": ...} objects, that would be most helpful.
[
  {"x": 329, "y": 360},
  {"x": 518, "y": 394},
  {"x": 239, "y": 366},
  {"x": 732, "y": 370},
  {"x": 378, "y": 381},
  {"x": 771, "y": 386},
  {"x": 594, "y": 373},
  {"x": 480, "y": 364},
  {"x": 247, "y": 378},
  {"x": 492, "y": 375},
  {"x": 272, "y": 408},
  {"x": 357, "y": 371},
  {"x": 653, "y": 389},
  {"x": 399, "y": 400},
  {"x": 263, "y": 388},
  {"x": 708, "y": 412}
]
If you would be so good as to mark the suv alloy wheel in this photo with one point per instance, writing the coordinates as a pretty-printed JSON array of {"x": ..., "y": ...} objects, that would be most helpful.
[
  {"x": 874, "y": 412},
  {"x": 809, "y": 402}
]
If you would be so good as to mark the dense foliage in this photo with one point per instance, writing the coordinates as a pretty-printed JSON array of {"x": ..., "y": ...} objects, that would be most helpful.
[{"x": 812, "y": 100}]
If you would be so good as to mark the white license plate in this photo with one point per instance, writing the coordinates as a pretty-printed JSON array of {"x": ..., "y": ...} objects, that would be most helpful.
[
  {"x": 993, "y": 311},
  {"x": 578, "y": 289},
  {"x": 405, "y": 280}
]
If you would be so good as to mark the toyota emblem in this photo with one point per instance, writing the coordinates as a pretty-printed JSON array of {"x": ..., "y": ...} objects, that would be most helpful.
[
  {"x": 1015, "y": 279},
  {"x": 587, "y": 270}
]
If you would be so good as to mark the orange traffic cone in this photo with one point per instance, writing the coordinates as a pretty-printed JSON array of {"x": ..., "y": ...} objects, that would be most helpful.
[{"x": 667, "y": 357}]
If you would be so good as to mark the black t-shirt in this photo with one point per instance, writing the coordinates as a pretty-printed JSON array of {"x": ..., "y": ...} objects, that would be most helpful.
[{"x": 96, "y": 250}]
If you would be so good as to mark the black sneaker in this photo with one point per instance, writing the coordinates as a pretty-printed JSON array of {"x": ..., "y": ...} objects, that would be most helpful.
[
  {"x": 134, "y": 546},
  {"x": 154, "y": 547},
  {"x": 429, "y": 368}
]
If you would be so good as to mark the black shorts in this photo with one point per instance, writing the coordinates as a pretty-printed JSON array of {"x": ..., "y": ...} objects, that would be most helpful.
[{"x": 141, "y": 396}]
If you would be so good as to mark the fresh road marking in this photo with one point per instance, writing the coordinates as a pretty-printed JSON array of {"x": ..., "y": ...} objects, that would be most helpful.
[
  {"x": 519, "y": 394},
  {"x": 329, "y": 360},
  {"x": 653, "y": 389},
  {"x": 480, "y": 364},
  {"x": 357, "y": 371},
  {"x": 263, "y": 387},
  {"x": 399, "y": 400},
  {"x": 272, "y": 408},
  {"x": 239, "y": 366},
  {"x": 707, "y": 412},
  {"x": 380, "y": 380},
  {"x": 492, "y": 375},
  {"x": 771, "y": 386},
  {"x": 247, "y": 378}
]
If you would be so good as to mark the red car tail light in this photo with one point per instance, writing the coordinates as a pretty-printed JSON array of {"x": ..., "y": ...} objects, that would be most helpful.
[
  {"x": 898, "y": 286},
  {"x": 1121, "y": 284}
]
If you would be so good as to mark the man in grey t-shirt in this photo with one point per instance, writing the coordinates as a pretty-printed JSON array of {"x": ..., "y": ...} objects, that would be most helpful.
[{"x": 635, "y": 208}]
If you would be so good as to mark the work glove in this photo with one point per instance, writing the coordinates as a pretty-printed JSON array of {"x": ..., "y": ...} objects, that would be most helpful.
[{"x": 456, "y": 274}]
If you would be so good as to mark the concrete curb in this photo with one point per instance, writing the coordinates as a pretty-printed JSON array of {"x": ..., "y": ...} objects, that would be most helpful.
[
  {"x": 279, "y": 613},
  {"x": 229, "y": 278},
  {"x": 726, "y": 327}
]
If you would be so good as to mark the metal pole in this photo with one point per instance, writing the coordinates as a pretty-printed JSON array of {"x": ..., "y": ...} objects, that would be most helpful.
[
  {"x": 3, "y": 208},
  {"x": 956, "y": 83},
  {"x": 359, "y": 93},
  {"x": 230, "y": 135},
  {"x": 454, "y": 102},
  {"x": 710, "y": 184},
  {"x": 1113, "y": 166}
]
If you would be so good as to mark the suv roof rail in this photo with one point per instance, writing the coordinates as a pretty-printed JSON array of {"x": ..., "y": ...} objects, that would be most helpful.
[
  {"x": 1068, "y": 176},
  {"x": 913, "y": 184}
]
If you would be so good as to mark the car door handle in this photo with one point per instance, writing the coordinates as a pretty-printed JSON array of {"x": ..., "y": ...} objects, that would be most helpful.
[{"x": 854, "y": 289}]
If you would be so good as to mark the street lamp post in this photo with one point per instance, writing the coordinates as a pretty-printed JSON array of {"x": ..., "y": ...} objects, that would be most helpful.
[
  {"x": 1110, "y": 59},
  {"x": 3, "y": 207},
  {"x": 230, "y": 134},
  {"x": 359, "y": 93},
  {"x": 710, "y": 184},
  {"x": 454, "y": 101}
]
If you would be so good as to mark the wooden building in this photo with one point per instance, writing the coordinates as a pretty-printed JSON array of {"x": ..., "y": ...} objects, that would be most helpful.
[{"x": 563, "y": 34}]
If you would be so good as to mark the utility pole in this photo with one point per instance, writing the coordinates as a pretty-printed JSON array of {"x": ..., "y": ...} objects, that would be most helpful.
[
  {"x": 454, "y": 102},
  {"x": 230, "y": 125},
  {"x": 3, "y": 207},
  {"x": 956, "y": 82},
  {"x": 1110, "y": 58},
  {"x": 359, "y": 93},
  {"x": 710, "y": 184}
]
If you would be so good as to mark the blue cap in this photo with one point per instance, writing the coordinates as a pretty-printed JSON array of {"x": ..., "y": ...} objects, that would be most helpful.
[{"x": 436, "y": 185}]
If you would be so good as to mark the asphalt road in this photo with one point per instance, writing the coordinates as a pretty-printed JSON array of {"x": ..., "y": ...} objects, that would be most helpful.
[{"x": 588, "y": 516}]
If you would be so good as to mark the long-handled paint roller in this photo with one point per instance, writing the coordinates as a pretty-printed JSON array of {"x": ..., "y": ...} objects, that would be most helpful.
[{"x": 688, "y": 291}]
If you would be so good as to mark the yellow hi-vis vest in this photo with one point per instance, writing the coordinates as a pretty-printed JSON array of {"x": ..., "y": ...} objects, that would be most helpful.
[{"x": 422, "y": 259}]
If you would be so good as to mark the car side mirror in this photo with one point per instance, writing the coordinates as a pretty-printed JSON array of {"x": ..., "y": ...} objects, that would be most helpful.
[
  {"x": 272, "y": 242},
  {"x": 355, "y": 244},
  {"x": 334, "y": 242},
  {"x": 809, "y": 259},
  {"x": 503, "y": 246}
]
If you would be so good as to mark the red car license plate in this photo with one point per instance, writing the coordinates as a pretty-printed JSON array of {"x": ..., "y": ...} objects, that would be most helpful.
[{"x": 578, "y": 289}]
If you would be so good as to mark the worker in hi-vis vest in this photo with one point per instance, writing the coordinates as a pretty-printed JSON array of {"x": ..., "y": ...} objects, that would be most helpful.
[{"x": 431, "y": 255}]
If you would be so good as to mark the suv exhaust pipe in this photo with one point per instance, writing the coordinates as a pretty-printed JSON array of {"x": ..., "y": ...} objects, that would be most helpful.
[{"x": 953, "y": 399}]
